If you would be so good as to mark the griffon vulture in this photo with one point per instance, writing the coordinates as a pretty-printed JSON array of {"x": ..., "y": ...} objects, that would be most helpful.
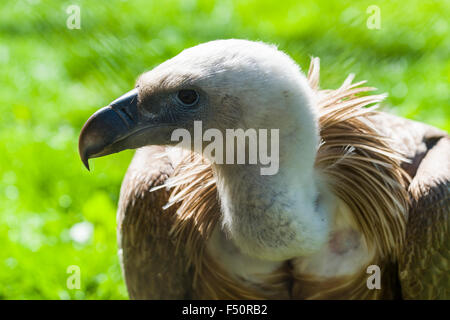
[{"x": 358, "y": 209}]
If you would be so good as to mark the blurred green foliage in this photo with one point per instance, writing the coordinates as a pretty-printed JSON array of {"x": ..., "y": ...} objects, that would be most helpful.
[{"x": 52, "y": 78}]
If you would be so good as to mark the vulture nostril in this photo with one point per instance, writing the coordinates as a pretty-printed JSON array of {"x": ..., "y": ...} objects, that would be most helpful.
[
  {"x": 125, "y": 107},
  {"x": 124, "y": 115},
  {"x": 127, "y": 113}
]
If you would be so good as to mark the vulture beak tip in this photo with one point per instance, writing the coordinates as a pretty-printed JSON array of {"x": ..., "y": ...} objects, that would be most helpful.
[
  {"x": 107, "y": 126},
  {"x": 86, "y": 163},
  {"x": 83, "y": 150},
  {"x": 85, "y": 159}
]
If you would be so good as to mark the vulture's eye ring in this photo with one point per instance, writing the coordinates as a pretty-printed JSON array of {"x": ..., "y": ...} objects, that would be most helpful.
[{"x": 187, "y": 97}]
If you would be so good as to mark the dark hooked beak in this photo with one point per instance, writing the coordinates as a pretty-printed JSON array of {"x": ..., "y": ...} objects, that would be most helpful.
[{"x": 107, "y": 130}]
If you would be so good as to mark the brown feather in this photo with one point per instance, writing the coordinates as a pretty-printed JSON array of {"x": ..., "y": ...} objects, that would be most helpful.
[
  {"x": 151, "y": 266},
  {"x": 424, "y": 265}
]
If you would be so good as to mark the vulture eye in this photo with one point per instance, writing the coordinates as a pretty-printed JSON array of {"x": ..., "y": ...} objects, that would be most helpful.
[{"x": 187, "y": 97}]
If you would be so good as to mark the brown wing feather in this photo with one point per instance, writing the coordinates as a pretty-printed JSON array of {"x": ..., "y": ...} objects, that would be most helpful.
[
  {"x": 424, "y": 269},
  {"x": 424, "y": 266},
  {"x": 152, "y": 267},
  {"x": 411, "y": 138}
]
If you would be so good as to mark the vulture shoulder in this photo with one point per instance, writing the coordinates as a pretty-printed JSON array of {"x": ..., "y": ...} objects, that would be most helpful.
[
  {"x": 424, "y": 260},
  {"x": 153, "y": 264},
  {"x": 424, "y": 266}
]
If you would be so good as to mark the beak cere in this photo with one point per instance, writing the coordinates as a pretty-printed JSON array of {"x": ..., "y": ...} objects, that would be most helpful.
[{"x": 103, "y": 132}]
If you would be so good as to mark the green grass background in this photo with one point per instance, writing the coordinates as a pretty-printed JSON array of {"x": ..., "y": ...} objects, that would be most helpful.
[{"x": 53, "y": 78}]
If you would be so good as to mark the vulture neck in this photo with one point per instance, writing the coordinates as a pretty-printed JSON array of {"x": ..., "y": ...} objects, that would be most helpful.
[{"x": 281, "y": 216}]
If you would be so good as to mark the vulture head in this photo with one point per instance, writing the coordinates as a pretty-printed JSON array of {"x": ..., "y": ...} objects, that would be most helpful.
[
  {"x": 233, "y": 84},
  {"x": 226, "y": 84}
]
